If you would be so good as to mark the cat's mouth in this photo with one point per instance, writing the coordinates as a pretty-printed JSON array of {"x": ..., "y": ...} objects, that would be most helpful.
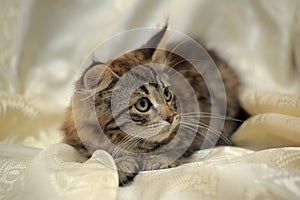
[{"x": 165, "y": 132}]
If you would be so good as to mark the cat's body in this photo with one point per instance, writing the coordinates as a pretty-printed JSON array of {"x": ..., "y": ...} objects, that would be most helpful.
[{"x": 152, "y": 106}]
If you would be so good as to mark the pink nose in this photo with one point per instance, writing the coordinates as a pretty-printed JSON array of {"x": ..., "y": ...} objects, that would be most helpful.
[{"x": 170, "y": 119}]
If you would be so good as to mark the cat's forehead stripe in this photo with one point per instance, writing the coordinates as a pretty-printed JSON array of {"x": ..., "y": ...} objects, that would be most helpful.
[
  {"x": 155, "y": 85},
  {"x": 144, "y": 89},
  {"x": 139, "y": 76}
]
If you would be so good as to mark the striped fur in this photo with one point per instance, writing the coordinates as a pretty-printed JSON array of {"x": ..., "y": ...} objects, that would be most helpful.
[{"x": 93, "y": 94}]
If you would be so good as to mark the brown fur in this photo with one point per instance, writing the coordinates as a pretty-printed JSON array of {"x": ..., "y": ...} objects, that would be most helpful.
[{"x": 81, "y": 126}]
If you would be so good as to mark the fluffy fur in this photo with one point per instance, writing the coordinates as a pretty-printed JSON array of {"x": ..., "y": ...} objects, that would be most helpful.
[{"x": 160, "y": 121}]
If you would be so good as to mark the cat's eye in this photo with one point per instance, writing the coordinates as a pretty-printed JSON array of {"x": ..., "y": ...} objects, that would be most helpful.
[
  {"x": 143, "y": 104},
  {"x": 167, "y": 94}
]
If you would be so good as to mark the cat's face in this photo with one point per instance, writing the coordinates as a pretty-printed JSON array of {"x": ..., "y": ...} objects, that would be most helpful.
[
  {"x": 142, "y": 106},
  {"x": 154, "y": 107}
]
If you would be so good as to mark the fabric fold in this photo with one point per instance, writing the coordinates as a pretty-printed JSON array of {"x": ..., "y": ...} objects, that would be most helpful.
[{"x": 275, "y": 120}]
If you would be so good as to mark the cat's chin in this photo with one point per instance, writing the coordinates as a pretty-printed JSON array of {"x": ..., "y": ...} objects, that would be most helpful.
[{"x": 164, "y": 134}]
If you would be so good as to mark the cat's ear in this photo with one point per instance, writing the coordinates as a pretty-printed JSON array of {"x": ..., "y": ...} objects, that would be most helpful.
[
  {"x": 98, "y": 75},
  {"x": 158, "y": 39},
  {"x": 158, "y": 42}
]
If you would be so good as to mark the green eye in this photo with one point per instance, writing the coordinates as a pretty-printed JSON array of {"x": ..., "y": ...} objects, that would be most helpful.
[
  {"x": 143, "y": 104},
  {"x": 167, "y": 94}
]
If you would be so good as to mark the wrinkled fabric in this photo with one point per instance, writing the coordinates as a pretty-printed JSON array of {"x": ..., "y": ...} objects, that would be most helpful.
[
  {"x": 275, "y": 120},
  {"x": 226, "y": 173},
  {"x": 58, "y": 172},
  {"x": 42, "y": 46}
]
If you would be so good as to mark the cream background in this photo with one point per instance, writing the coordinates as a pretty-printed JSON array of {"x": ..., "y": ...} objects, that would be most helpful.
[{"x": 42, "y": 44}]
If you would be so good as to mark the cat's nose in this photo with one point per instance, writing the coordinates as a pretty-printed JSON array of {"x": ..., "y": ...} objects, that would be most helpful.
[{"x": 170, "y": 119}]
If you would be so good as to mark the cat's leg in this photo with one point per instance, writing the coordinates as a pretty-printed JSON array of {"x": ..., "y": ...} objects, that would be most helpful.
[
  {"x": 128, "y": 167},
  {"x": 157, "y": 161}
]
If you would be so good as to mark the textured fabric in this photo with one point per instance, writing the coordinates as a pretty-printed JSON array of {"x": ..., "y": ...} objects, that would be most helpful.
[
  {"x": 42, "y": 44},
  {"x": 226, "y": 173},
  {"x": 58, "y": 172},
  {"x": 275, "y": 121}
]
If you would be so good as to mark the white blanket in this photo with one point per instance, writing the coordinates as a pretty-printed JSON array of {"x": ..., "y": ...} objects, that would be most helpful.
[{"x": 42, "y": 44}]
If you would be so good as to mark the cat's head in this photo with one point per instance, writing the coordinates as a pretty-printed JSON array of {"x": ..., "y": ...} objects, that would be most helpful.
[{"x": 133, "y": 94}]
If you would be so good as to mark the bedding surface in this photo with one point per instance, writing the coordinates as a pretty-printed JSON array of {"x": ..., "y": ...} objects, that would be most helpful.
[{"x": 42, "y": 47}]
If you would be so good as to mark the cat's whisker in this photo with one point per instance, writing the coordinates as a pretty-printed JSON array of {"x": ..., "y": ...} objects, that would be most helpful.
[
  {"x": 228, "y": 142},
  {"x": 130, "y": 145},
  {"x": 118, "y": 147},
  {"x": 208, "y": 114},
  {"x": 189, "y": 128},
  {"x": 194, "y": 126},
  {"x": 125, "y": 140},
  {"x": 215, "y": 117},
  {"x": 202, "y": 125},
  {"x": 211, "y": 129},
  {"x": 215, "y": 114},
  {"x": 185, "y": 127},
  {"x": 136, "y": 133},
  {"x": 133, "y": 145},
  {"x": 122, "y": 147},
  {"x": 200, "y": 112},
  {"x": 217, "y": 133}
]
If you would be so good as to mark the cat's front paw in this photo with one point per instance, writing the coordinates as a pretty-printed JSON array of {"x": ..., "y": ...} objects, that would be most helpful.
[
  {"x": 125, "y": 177},
  {"x": 153, "y": 162},
  {"x": 128, "y": 168}
]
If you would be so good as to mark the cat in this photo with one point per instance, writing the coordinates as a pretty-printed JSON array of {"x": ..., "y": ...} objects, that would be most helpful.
[{"x": 146, "y": 137}]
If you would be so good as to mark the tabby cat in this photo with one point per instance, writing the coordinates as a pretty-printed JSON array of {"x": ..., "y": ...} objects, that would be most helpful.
[{"x": 137, "y": 120}]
